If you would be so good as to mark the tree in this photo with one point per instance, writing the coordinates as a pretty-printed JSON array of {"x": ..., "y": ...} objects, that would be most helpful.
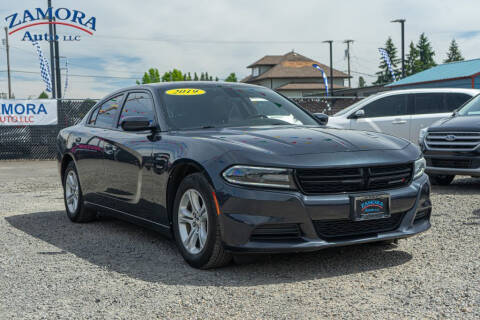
[
  {"x": 231, "y": 77},
  {"x": 426, "y": 53},
  {"x": 216, "y": 78},
  {"x": 384, "y": 75},
  {"x": 152, "y": 76},
  {"x": 206, "y": 76},
  {"x": 43, "y": 95},
  {"x": 195, "y": 77},
  {"x": 361, "y": 82},
  {"x": 174, "y": 75},
  {"x": 453, "y": 53},
  {"x": 412, "y": 61},
  {"x": 202, "y": 76},
  {"x": 189, "y": 77}
]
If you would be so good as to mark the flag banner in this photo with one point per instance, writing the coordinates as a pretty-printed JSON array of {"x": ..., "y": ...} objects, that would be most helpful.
[
  {"x": 325, "y": 79},
  {"x": 385, "y": 56},
  {"x": 44, "y": 67},
  {"x": 41, "y": 112},
  {"x": 66, "y": 78}
]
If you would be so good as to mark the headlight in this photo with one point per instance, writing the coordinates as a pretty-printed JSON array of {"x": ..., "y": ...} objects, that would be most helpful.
[
  {"x": 419, "y": 169},
  {"x": 260, "y": 176},
  {"x": 422, "y": 135}
]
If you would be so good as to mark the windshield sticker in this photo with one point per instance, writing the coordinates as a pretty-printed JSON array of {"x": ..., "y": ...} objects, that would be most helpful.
[{"x": 185, "y": 92}]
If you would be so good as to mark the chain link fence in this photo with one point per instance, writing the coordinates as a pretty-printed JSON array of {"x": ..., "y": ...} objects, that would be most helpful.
[{"x": 39, "y": 142}]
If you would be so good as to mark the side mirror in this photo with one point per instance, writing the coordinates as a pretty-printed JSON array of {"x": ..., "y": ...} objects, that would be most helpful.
[
  {"x": 322, "y": 118},
  {"x": 359, "y": 114},
  {"x": 135, "y": 123}
]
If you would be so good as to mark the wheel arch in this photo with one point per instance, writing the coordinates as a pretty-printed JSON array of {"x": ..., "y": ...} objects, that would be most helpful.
[
  {"x": 66, "y": 159},
  {"x": 178, "y": 171}
]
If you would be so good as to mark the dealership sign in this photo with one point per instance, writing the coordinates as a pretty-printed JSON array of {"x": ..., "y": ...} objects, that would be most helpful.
[
  {"x": 28, "y": 112},
  {"x": 62, "y": 16}
]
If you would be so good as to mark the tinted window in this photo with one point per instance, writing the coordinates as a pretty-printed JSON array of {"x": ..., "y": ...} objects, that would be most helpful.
[
  {"x": 230, "y": 106},
  {"x": 455, "y": 100},
  {"x": 107, "y": 113},
  {"x": 429, "y": 103},
  {"x": 138, "y": 104},
  {"x": 387, "y": 107},
  {"x": 94, "y": 116}
]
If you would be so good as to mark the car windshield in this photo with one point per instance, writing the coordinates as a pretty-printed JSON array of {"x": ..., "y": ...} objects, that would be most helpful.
[
  {"x": 201, "y": 106},
  {"x": 471, "y": 108}
]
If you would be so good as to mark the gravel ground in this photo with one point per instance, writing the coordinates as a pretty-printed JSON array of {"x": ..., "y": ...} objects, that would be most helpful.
[{"x": 51, "y": 268}]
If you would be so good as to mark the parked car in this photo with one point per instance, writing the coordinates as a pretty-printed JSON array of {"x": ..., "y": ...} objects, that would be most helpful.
[
  {"x": 452, "y": 145},
  {"x": 402, "y": 113},
  {"x": 234, "y": 168}
]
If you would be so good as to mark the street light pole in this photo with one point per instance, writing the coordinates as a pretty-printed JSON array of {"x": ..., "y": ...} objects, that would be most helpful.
[
  {"x": 52, "y": 55},
  {"x": 402, "y": 22},
  {"x": 330, "y": 42}
]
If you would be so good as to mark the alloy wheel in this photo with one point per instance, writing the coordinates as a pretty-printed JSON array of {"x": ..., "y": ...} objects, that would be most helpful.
[
  {"x": 193, "y": 221},
  {"x": 72, "y": 191}
]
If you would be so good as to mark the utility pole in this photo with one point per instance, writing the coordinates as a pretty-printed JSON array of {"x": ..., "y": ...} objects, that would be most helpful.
[
  {"x": 57, "y": 63},
  {"x": 402, "y": 22},
  {"x": 348, "y": 61},
  {"x": 330, "y": 42},
  {"x": 8, "y": 64},
  {"x": 52, "y": 55}
]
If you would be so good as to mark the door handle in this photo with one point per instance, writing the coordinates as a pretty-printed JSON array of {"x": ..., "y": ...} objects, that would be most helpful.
[
  {"x": 399, "y": 121},
  {"x": 109, "y": 149}
]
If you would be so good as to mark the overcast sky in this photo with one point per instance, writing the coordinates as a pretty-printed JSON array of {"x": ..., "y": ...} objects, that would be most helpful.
[{"x": 225, "y": 36}]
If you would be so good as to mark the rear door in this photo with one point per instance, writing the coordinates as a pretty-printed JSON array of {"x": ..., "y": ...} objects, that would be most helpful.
[
  {"x": 128, "y": 159},
  {"x": 430, "y": 107},
  {"x": 388, "y": 115}
]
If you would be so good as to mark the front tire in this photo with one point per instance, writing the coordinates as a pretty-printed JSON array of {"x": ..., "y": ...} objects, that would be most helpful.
[
  {"x": 195, "y": 224},
  {"x": 442, "y": 180},
  {"x": 73, "y": 197}
]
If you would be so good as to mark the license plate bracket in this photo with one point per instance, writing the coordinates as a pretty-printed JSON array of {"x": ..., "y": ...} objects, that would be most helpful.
[{"x": 375, "y": 206}]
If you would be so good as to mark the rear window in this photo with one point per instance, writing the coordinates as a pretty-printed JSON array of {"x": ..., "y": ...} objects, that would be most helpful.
[
  {"x": 107, "y": 113},
  {"x": 425, "y": 103}
]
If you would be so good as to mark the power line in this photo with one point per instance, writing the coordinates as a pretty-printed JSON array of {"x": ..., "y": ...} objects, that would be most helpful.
[{"x": 75, "y": 75}]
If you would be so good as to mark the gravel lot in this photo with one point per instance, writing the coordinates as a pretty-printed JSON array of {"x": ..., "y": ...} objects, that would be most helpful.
[{"x": 51, "y": 268}]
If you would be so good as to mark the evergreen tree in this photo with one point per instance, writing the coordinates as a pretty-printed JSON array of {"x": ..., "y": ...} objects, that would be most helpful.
[
  {"x": 43, "y": 95},
  {"x": 361, "y": 82},
  {"x": 202, "y": 76},
  {"x": 195, "y": 77},
  {"x": 384, "y": 75},
  {"x": 412, "y": 61},
  {"x": 189, "y": 77},
  {"x": 231, "y": 77},
  {"x": 426, "y": 53},
  {"x": 216, "y": 78},
  {"x": 206, "y": 76},
  {"x": 210, "y": 79},
  {"x": 453, "y": 53},
  {"x": 151, "y": 76},
  {"x": 185, "y": 77}
]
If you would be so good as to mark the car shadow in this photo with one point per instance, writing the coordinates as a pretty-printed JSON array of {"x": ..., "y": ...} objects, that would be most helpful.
[
  {"x": 146, "y": 255},
  {"x": 464, "y": 185}
]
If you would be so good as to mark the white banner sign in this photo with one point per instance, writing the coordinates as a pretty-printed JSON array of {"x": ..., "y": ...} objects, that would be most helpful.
[{"x": 41, "y": 112}]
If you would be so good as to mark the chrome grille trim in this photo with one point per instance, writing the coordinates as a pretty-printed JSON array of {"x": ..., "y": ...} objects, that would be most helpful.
[{"x": 453, "y": 141}]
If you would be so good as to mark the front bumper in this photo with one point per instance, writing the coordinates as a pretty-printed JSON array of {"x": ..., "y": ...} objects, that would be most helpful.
[
  {"x": 452, "y": 163},
  {"x": 245, "y": 210}
]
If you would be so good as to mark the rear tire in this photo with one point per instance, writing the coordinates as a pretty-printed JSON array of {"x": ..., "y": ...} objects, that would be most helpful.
[
  {"x": 195, "y": 224},
  {"x": 441, "y": 180},
  {"x": 73, "y": 197}
]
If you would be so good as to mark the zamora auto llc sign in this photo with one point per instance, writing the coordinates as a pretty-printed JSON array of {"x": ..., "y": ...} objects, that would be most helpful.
[
  {"x": 19, "y": 21},
  {"x": 28, "y": 112}
]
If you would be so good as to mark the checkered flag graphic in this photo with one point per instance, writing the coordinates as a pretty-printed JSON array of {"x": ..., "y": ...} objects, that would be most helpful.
[
  {"x": 386, "y": 57},
  {"x": 44, "y": 67},
  {"x": 66, "y": 77}
]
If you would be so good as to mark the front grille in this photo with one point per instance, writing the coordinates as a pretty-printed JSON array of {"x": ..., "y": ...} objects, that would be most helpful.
[
  {"x": 276, "y": 232},
  {"x": 450, "y": 163},
  {"x": 345, "y": 228},
  {"x": 458, "y": 141},
  {"x": 315, "y": 181}
]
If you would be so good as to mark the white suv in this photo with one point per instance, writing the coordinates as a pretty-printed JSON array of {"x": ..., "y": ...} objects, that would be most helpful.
[{"x": 402, "y": 113}]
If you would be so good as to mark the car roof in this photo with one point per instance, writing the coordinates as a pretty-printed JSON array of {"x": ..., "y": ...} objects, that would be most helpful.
[{"x": 432, "y": 90}]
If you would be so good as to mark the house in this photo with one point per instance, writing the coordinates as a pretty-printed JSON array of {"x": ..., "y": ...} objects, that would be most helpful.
[
  {"x": 461, "y": 74},
  {"x": 292, "y": 74}
]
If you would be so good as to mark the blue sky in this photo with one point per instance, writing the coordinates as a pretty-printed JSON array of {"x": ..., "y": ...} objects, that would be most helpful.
[{"x": 223, "y": 36}]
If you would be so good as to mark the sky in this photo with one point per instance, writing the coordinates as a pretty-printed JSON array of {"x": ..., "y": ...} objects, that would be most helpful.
[{"x": 224, "y": 36}]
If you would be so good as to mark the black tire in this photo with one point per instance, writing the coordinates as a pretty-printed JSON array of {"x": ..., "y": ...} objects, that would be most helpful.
[
  {"x": 213, "y": 254},
  {"x": 81, "y": 213},
  {"x": 441, "y": 180}
]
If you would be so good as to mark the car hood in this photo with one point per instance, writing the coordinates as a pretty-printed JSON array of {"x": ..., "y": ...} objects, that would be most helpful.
[
  {"x": 458, "y": 123},
  {"x": 295, "y": 140}
]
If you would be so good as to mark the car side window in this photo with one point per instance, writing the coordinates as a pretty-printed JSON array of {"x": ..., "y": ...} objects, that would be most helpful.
[
  {"x": 138, "y": 104},
  {"x": 387, "y": 107},
  {"x": 455, "y": 100},
  {"x": 426, "y": 103},
  {"x": 107, "y": 112},
  {"x": 93, "y": 117}
]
